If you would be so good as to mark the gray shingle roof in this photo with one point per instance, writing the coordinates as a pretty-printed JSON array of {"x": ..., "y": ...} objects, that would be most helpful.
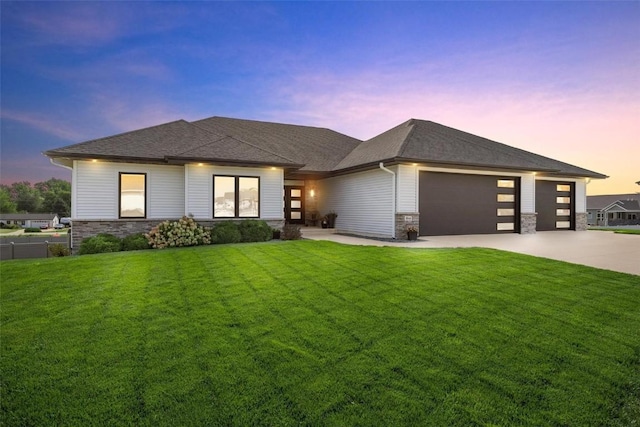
[
  {"x": 312, "y": 149},
  {"x": 27, "y": 216},
  {"x": 429, "y": 142},
  {"x": 602, "y": 201},
  {"x": 175, "y": 140},
  {"x": 319, "y": 149}
]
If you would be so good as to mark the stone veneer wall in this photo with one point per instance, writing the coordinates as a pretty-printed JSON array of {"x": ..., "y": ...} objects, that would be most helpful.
[
  {"x": 528, "y": 222},
  {"x": 581, "y": 221},
  {"x": 122, "y": 228},
  {"x": 402, "y": 224}
]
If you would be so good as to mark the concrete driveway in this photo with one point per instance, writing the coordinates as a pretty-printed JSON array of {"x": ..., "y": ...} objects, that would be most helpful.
[{"x": 600, "y": 249}]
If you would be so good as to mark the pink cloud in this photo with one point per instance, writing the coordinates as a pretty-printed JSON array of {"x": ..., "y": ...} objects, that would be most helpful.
[{"x": 597, "y": 130}]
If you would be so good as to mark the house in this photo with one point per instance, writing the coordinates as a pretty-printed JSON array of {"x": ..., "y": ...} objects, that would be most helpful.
[
  {"x": 27, "y": 220},
  {"x": 613, "y": 209},
  {"x": 420, "y": 173}
]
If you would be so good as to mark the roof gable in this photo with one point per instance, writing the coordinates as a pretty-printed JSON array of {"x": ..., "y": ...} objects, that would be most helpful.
[{"x": 602, "y": 201}]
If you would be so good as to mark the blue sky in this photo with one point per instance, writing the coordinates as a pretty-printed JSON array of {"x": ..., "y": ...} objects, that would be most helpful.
[{"x": 561, "y": 79}]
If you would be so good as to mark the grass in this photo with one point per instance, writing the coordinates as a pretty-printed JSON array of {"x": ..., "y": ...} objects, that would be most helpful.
[
  {"x": 618, "y": 230},
  {"x": 316, "y": 333}
]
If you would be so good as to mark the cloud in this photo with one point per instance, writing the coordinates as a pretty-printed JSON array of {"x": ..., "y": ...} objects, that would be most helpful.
[
  {"x": 47, "y": 124},
  {"x": 84, "y": 24}
]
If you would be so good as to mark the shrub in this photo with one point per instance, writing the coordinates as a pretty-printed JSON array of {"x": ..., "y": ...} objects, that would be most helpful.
[
  {"x": 276, "y": 234},
  {"x": 253, "y": 230},
  {"x": 10, "y": 226},
  {"x": 135, "y": 242},
  {"x": 59, "y": 250},
  {"x": 32, "y": 230},
  {"x": 291, "y": 232},
  {"x": 100, "y": 244},
  {"x": 226, "y": 232},
  {"x": 184, "y": 232}
]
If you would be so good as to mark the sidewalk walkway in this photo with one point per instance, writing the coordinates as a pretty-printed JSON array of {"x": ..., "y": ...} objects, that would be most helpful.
[{"x": 600, "y": 249}]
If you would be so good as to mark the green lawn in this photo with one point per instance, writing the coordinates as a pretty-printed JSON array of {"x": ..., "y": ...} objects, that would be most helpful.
[
  {"x": 317, "y": 333},
  {"x": 619, "y": 230}
]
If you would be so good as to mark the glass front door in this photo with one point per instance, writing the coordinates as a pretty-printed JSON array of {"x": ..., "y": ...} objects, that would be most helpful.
[{"x": 294, "y": 204}]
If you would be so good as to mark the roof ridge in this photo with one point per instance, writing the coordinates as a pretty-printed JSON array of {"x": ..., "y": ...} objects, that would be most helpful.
[
  {"x": 410, "y": 122},
  {"x": 239, "y": 140},
  {"x": 271, "y": 123}
]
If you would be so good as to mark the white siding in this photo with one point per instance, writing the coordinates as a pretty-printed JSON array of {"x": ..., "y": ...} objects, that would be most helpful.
[
  {"x": 363, "y": 202},
  {"x": 407, "y": 188},
  {"x": 96, "y": 189},
  {"x": 528, "y": 193},
  {"x": 199, "y": 183},
  {"x": 581, "y": 196},
  {"x": 199, "y": 195}
]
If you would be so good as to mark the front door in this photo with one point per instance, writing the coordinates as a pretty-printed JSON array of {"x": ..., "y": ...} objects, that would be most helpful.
[{"x": 294, "y": 204}]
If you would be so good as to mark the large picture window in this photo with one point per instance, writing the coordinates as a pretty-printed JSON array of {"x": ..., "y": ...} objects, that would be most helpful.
[
  {"x": 236, "y": 197},
  {"x": 133, "y": 195}
]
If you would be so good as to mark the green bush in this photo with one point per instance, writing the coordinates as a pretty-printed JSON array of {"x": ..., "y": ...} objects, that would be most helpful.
[
  {"x": 184, "y": 232},
  {"x": 252, "y": 230},
  {"x": 32, "y": 230},
  {"x": 100, "y": 244},
  {"x": 10, "y": 226},
  {"x": 59, "y": 250},
  {"x": 135, "y": 242},
  {"x": 291, "y": 232},
  {"x": 226, "y": 232}
]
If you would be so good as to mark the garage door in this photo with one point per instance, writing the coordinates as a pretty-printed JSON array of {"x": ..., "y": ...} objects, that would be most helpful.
[
  {"x": 468, "y": 204},
  {"x": 555, "y": 204}
]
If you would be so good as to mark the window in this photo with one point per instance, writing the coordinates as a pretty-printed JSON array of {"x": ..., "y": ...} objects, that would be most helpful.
[
  {"x": 506, "y": 198},
  {"x": 566, "y": 212},
  {"x": 506, "y": 183},
  {"x": 505, "y": 226},
  {"x": 563, "y": 200},
  {"x": 563, "y": 187},
  {"x": 133, "y": 195},
  {"x": 236, "y": 197},
  {"x": 563, "y": 224},
  {"x": 506, "y": 212}
]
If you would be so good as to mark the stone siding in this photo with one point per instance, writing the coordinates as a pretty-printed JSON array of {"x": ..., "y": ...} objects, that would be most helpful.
[
  {"x": 402, "y": 223},
  {"x": 123, "y": 228},
  {"x": 581, "y": 222},
  {"x": 528, "y": 222}
]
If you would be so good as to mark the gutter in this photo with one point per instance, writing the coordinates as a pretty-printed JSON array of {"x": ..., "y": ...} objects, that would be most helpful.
[
  {"x": 393, "y": 199},
  {"x": 53, "y": 162}
]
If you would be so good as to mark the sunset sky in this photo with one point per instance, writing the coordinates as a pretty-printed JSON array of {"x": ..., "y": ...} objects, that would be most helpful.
[{"x": 561, "y": 79}]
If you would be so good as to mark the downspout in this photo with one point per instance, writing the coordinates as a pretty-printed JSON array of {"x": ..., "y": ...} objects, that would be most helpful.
[{"x": 393, "y": 199}]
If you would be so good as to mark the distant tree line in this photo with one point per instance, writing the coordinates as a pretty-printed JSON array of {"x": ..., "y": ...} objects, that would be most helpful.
[{"x": 53, "y": 196}]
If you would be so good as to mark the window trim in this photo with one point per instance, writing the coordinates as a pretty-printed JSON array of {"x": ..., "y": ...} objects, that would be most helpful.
[
  {"x": 236, "y": 196},
  {"x": 120, "y": 216}
]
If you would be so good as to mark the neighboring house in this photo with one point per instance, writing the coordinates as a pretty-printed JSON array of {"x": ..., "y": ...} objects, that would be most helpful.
[
  {"x": 26, "y": 220},
  {"x": 438, "y": 179},
  {"x": 613, "y": 209}
]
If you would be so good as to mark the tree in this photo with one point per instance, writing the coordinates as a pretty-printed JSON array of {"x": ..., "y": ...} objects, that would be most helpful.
[
  {"x": 56, "y": 194},
  {"x": 6, "y": 205},
  {"x": 52, "y": 196},
  {"x": 26, "y": 197}
]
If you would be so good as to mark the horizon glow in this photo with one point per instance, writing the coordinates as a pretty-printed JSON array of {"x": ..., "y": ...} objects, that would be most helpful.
[{"x": 559, "y": 79}]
